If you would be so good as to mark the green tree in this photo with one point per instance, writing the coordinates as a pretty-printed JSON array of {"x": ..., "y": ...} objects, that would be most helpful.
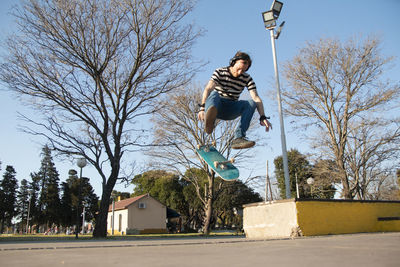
[
  {"x": 34, "y": 211},
  {"x": 93, "y": 69},
  {"x": 90, "y": 200},
  {"x": 49, "y": 200},
  {"x": 231, "y": 200},
  {"x": 70, "y": 197},
  {"x": 301, "y": 168},
  {"x": 164, "y": 186},
  {"x": 298, "y": 166},
  {"x": 8, "y": 194},
  {"x": 23, "y": 198},
  {"x": 67, "y": 208},
  {"x": 324, "y": 173}
]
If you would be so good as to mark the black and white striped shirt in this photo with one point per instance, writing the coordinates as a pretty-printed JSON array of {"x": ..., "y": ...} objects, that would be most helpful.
[{"x": 231, "y": 87}]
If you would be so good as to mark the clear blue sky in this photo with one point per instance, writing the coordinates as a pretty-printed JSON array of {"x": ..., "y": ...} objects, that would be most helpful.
[{"x": 232, "y": 25}]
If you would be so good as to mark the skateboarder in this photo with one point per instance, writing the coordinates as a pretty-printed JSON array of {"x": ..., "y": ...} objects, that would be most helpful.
[{"x": 221, "y": 99}]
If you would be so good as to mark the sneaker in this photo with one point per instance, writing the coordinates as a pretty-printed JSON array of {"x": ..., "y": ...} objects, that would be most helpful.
[
  {"x": 211, "y": 116},
  {"x": 241, "y": 143}
]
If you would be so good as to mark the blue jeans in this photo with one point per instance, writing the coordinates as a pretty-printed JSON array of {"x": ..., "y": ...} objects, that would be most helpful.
[{"x": 231, "y": 109}]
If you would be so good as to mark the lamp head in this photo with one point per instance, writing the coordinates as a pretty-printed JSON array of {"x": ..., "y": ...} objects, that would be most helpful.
[
  {"x": 276, "y": 8},
  {"x": 310, "y": 181},
  {"x": 269, "y": 19},
  {"x": 72, "y": 172},
  {"x": 81, "y": 162}
]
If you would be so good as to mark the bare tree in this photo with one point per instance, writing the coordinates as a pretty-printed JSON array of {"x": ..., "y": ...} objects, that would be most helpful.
[
  {"x": 383, "y": 187},
  {"x": 373, "y": 147},
  {"x": 338, "y": 88},
  {"x": 177, "y": 134},
  {"x": 92, "y": 69}
]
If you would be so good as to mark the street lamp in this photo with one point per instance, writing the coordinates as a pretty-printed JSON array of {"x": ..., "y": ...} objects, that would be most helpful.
[
  {"x": 269, "y": 19},
  {"x": 81, "y": 162}
]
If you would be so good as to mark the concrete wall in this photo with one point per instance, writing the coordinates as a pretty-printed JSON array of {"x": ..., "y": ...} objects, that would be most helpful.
[
  {"x": 269, "y": 220},
  {"x": 319, "y": 217}
]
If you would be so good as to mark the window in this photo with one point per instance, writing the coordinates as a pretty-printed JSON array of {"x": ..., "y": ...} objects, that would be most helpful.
[{"x": 120, "y": 223}]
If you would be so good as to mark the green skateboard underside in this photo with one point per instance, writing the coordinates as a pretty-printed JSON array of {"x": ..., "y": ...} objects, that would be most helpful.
[{"x": 226, "y": 171}]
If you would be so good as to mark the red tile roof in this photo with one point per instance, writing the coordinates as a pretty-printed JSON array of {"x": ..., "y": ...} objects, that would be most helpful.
[{"x": 123, "y": 204}]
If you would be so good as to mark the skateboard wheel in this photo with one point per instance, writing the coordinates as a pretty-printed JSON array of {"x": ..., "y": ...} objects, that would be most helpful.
[
  {"x": 232, "y": 160},
  {"x": 214, "y": 143},
  {"x": 221, "y": 165},
  {"x": 198, "y": 146}
]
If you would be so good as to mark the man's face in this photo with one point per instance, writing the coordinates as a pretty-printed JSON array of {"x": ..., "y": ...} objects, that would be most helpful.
[{"x": 240, "y": 67}]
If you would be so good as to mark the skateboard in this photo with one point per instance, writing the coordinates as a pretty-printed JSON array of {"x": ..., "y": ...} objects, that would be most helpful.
[{"x": 223, "y": 167}]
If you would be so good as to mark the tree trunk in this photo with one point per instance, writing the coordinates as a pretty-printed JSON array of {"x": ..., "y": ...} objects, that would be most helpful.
[
  {"x": 209, "y": 208},
  {"x": 343, "y": 175},
  {"x": 100, "y": 229},
  {"x": 345, "y": 183},
  {"x": 207, "y": 218}
]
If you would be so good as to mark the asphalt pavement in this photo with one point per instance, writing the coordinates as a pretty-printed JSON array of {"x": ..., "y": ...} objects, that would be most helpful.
[{"x": 370, "y": 249}]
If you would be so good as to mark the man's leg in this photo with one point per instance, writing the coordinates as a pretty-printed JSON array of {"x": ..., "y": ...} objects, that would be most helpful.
[
  {"x": 247, "y": 108},
  {"x": 213, "y": 104}
]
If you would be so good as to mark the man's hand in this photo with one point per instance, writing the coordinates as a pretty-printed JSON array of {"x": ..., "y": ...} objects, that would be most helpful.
[
  {"x": 201, "y": 115},
  {"x": 267, "y": 124}
]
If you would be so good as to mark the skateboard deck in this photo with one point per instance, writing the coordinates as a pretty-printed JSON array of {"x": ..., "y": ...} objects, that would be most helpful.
[{"x": 223, "y": 167}]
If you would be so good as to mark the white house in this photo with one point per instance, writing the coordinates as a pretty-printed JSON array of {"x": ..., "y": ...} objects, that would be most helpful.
[{"x": 141, "y": 214}]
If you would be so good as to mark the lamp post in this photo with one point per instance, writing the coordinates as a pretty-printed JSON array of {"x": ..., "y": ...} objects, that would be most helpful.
[
  {"x": 311, "y": 181},
  {"x": 297, "y": 187},
  {"x": 270, "y": 18},
  {"x": 113, "y": 213},
  {"x": 72, "y": 175},
  {"x": 81, "y": 162},
  {"x": 29, "y": 209},
  {"x": 83, "y": 217}
]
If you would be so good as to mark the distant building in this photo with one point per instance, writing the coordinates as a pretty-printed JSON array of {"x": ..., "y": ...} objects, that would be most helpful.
[{"x": 137, "y": 215}]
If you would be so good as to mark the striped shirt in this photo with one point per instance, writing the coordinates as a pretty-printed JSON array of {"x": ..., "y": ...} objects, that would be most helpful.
[{"x": 231, "y": 87}]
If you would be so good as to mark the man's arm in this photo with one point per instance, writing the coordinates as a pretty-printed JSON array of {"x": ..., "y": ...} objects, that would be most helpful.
[
  {"x": 260, "y": 108},
  {"x": 207, "y": 91}
]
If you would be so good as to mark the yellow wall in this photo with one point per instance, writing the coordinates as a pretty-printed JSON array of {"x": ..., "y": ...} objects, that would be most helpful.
[
  {"x": 340, "y": 217},
  {"x": 109, "y": 232},
  {"x": 296, "y": 217}
]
